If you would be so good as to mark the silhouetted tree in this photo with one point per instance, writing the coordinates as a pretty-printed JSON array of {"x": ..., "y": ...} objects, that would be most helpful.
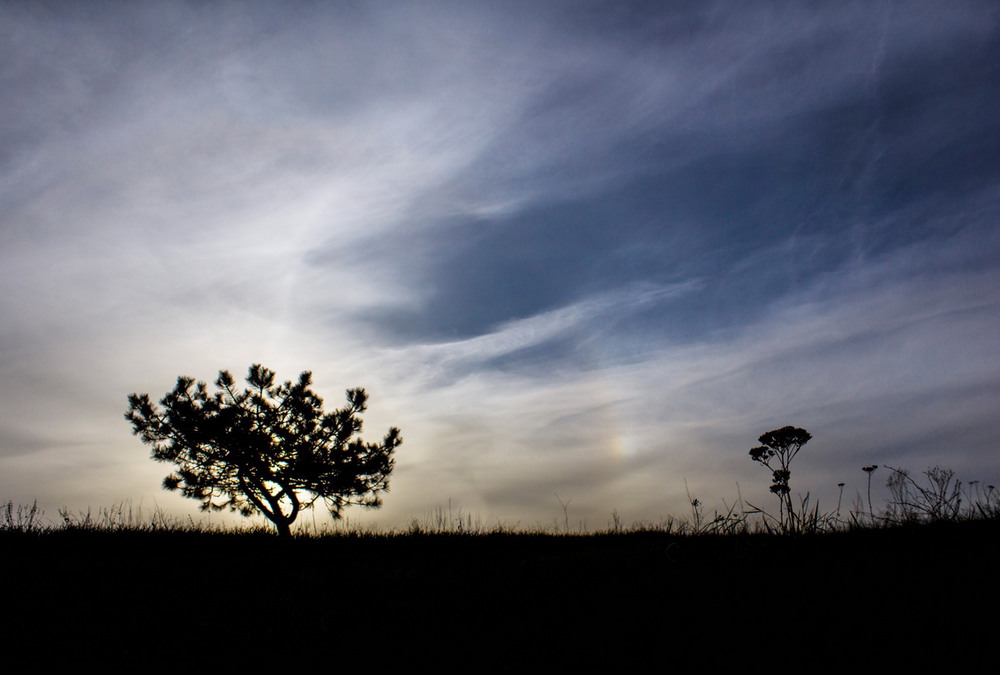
[
  {"x": 268, "y": 449},
  {"x": 779, "y": 448}
]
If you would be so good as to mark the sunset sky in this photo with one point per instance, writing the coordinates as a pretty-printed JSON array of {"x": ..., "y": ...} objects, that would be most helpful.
[{"x": 585, "y": 249}]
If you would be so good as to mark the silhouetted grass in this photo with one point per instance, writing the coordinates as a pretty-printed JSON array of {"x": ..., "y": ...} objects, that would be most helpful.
[
  {"x": 122, "y": 586},
  {"x": 126, "y": 592}
]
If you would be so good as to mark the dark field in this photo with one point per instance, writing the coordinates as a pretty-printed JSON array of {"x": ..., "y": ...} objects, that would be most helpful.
[{"x": 917, "y": 594}]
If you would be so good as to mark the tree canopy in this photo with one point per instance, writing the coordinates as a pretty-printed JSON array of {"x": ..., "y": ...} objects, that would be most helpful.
[{"x": 269, "y": 448}]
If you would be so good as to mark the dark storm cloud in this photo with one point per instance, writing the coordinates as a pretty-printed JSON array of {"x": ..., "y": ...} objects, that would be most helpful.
[{"x": 800, "y": 155}]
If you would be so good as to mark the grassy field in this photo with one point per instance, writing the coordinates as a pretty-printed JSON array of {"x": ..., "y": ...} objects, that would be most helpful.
[{"x": 124, "y": 591}]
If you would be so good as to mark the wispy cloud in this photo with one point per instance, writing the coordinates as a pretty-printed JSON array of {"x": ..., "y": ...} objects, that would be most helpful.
[{"x": 590, "y": 250}]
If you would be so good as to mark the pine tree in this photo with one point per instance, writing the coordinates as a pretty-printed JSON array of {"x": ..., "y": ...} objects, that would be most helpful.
[{"x": 268, "y": 449}]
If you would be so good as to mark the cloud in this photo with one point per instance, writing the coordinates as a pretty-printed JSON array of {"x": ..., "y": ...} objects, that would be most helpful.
[
  {"x": 872, "y": 375},
  {"x": 586, "y": 249}
]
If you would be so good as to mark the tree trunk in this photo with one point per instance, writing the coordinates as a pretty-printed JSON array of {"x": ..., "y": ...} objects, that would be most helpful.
[
  {"x": 284, "y": 528},
  {"x": 282, "y": 522}
]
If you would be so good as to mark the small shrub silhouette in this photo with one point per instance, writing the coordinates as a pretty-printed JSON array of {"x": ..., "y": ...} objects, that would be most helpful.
[{"x": 269, "y": 449}]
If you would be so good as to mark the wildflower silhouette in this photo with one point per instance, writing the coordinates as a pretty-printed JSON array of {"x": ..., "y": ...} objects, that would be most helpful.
[
  {"x": 870, "y": 469},
  {"x": 777, "y": 452}
]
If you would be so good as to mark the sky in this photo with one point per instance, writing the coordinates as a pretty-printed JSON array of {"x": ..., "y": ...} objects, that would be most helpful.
[{"x": 581, "y": 253}]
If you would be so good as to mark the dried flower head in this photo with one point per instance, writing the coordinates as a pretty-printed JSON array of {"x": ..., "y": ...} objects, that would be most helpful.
[{"x": 761, "y": 454}]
